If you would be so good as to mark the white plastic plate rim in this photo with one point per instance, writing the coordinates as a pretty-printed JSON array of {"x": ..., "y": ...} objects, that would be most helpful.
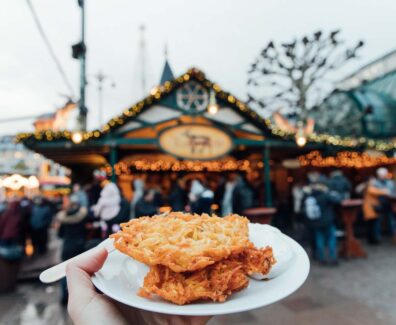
[{"x": 264, "y": 293}]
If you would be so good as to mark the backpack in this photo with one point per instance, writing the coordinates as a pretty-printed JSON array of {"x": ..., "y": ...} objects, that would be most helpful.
[{"x": 312, "y": 208}]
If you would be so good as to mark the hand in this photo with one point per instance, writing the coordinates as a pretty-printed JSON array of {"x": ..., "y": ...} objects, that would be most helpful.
[{"x": 87, "y": 307}]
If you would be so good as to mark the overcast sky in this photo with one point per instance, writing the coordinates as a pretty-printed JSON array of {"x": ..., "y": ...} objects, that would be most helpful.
[{"x": 220, "y": 37}]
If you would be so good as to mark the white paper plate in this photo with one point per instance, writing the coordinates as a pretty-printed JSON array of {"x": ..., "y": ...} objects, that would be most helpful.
[{"x": 121, "y": 277}]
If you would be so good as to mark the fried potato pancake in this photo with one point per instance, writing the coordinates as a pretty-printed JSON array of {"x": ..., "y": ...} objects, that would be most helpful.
[
  {"x": 215, "y": 282},
  {"x": 183, "y": 242}
]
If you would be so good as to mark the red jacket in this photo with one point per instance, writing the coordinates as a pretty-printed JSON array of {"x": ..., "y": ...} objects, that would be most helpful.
[{"x": 11, "y": 222}]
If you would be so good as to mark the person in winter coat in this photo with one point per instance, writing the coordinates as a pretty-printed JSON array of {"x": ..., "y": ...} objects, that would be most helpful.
[
  {"x": 26, "y": 209},
  {"x": 340, "y": 184},
  {"x": 108, "y": 208},
  {"x": 81, "y": 195},
  {"x": 298, "y": 196},
  {"x": 11, "y": 244},
  {"x": 73, "y": 232},
  {"x": 40, "y": 220},
  {"x": 146, "y": 206},
  {"x": 242, "y": 196},
  {"x": 94, "y": 189},
  {"x": 11, "y": 223},
  {"x": 108, "y": 205},
  {"x": 318, "y": 207},
  {"x": 72, "y": 227},
  {"x": 376, "y": 205},
  {"x": 138, "y": 192},
  {"x": 237, "y": 196},
  {"x": 201, "y": 198},
  {"x": 178, "y": 196}
]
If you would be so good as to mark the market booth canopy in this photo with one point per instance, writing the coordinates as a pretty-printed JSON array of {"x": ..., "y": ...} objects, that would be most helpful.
[
  {"x": 174, "y": 118},
  {"x": 188, "y": 99},
  {"x": 196, "y": 125}
]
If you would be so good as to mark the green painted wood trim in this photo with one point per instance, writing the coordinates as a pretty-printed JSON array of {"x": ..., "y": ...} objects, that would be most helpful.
[{"x": 112, "y": 140}]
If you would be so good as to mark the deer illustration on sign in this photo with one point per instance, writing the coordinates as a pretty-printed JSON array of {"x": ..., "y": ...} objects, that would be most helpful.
[{"x": 198, "y": 143}]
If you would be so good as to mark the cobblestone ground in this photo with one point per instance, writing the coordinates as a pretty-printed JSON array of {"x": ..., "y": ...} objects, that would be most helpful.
[{"x": 358, "y": 292}]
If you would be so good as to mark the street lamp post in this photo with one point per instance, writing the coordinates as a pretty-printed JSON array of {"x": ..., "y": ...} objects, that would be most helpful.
[{"x": 79, "y": 52}]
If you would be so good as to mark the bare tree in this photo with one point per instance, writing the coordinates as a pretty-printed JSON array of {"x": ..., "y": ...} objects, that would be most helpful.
[{"x": 291, "y": 78}]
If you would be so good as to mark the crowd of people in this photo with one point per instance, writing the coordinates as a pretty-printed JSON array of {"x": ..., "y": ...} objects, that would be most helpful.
[
  {"x": 90, "y": 213},
  {"x": 317, "y": 206},
  {"x": 231, "y": 194}
]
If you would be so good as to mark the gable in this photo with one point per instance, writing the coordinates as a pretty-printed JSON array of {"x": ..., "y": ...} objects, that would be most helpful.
[{"x": 186, "y": 95}]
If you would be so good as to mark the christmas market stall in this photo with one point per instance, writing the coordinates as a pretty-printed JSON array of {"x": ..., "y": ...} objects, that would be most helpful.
[{"x": 189, "y": 125}]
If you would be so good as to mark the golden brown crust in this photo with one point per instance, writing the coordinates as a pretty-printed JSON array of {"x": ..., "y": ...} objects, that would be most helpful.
[
  {"x": 183, "y": 242},
  {"x": 215, "y": 282}
]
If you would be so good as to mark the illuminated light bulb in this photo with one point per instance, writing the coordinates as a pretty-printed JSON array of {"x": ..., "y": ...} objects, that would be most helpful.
[
  {"x": 29, "y": 248},
  {"x": 77, "y": 137},
  {"x": 33, "y": 182},
  {"x": 154, "y": 91},
  {"x": 213, "y": 107},
  {"x": 301, "y": 139}
]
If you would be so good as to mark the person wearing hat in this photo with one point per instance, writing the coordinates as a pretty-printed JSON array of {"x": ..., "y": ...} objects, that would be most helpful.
[
  {"x": 318, "y": 210},
  {"x": 72, "y": 231},
  {"x": 376, "y": 205}
]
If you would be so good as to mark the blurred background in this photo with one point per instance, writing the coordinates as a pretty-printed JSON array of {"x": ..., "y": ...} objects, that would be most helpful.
[{"x": 283, "y": 111}]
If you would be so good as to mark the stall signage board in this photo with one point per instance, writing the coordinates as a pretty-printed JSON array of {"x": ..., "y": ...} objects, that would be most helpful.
[{"x": 195, "y": 142}]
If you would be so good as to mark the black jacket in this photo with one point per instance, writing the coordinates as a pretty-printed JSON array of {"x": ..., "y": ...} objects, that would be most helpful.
[
  {"x": 326, "y": 201},
  {"x": 340, "y": 184},
  {"x": 242, "y": 198},
  {"x": 72, "y": 231},
  {"x": 177, "y": 198},
  {"x": 145, "y": 208}
]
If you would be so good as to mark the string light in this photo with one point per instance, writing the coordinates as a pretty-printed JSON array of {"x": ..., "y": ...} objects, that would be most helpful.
[
  {"x": 143, "y": 165},
  {"x": 348, "y": 159}
]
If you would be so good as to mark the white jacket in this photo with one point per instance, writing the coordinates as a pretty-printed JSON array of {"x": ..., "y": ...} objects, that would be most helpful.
[{"x": 109, "y": 203}]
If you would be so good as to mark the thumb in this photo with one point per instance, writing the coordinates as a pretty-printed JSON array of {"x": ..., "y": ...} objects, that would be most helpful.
[
  {"x": 89, "y": 262},
  {"x": 78, "y": 273}
]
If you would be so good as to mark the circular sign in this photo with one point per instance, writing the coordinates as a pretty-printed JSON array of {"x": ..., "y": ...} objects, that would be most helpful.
[
  {"x": 192, "y": 96},
  {"x": 192, "y": 141}
]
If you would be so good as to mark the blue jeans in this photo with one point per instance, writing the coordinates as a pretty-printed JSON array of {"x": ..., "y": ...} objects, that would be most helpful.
[
  {"x": 375, "y": 226},
  {"x": 376, "y": 229},
  {"x": 326, "y": 237},
  {"x": 390, "y": 220}
]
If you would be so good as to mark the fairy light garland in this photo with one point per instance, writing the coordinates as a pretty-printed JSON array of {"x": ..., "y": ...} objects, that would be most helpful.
[
  {"x": 157, "y": 93},
  {"x": 345, "y": 159},
  {"x": 143, "y": 165}
]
